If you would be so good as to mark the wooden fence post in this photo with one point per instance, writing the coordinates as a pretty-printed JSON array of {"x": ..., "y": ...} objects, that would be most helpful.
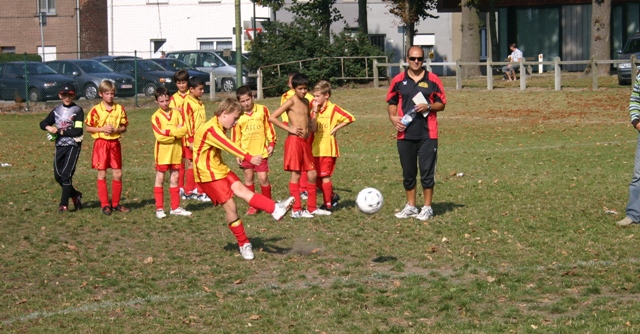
[
  {"x": 489, "y": 75},
  {"x": 594, "y": 74},
  {"x": 523, "y": 74},
  {"x": 260, "y": 90},
  {"x": 634, "y": 69},
  {"x": 375, "y": 74},
  {"x": 458, "y": 75},
  {"x": 557, "y": 73}
]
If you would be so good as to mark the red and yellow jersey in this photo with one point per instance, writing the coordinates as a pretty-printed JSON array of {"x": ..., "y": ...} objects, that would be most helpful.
[
  {"x": 177, "y": 100},
  {"x": 99, "y": 117},
  {"x": 168, "y": 147},
  {"x": 325, "y": 144},
  {"x": 208, "y": 144},
  {"x": 254, "y": 132},
  {"x": 287, "y": 95},
  {"x": 194, "y": 116}
]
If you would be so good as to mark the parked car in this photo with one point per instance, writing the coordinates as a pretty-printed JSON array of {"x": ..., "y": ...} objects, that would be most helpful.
[
  {"x": 150, "y": 75},
  {"x": 102, "y": 59},
  {"x": 88, "y": 75},
  {"x": 221, "y": 63},
  {"x": 624, "y": 69},
  {"x": 172, "y": 64},
  {"x": 41, "y": 82}
]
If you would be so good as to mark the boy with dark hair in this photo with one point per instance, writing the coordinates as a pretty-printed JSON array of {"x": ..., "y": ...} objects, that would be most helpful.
[
  {"x": 329, "y": 119},
  {"x": 194, "y": 116},
  {"x": 181, "y": 78},
  {"x": 64, "y": 126},
  {"x": 106, "y": 122},
  {"x": 219, "y": 182},
  {"x": 168, "y": 128},
  {"x": 298, "y": 158},
  {"x": 256, "y": 134}
]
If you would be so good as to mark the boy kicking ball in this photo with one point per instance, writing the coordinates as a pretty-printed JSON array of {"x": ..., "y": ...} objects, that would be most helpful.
[{"x": 219, "y": 182}]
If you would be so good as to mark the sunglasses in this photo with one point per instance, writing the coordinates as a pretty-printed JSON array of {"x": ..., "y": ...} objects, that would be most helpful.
[{"x": 416, "y": 58}]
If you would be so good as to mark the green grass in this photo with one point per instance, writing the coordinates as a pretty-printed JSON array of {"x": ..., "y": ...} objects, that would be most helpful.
[{"x": 520, "y": 243}]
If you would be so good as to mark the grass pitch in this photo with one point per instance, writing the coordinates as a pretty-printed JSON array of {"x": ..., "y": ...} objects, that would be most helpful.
[{"x": 524, "y": 241}]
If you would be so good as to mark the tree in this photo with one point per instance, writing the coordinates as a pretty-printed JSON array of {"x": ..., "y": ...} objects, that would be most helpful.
[
  {"x": 410, "y": 12},
  {"x": 470, "y": 28},
  {"x": 321, "y": 13},
  {"x": 600, "y": 32},
  {"x": 363, "y": 24}
]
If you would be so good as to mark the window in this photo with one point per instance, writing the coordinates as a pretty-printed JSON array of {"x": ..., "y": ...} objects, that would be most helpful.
[
  {"x": 47, "y": 6},
  {"x": 378, "y": 41},
  {"x": 217, "y": 45},
  {"x": 8, "y": 49}
]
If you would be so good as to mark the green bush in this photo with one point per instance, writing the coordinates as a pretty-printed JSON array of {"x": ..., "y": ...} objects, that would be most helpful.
[
  {"x": 286, "y": 43},
  {"x": 6, "y": 57}
]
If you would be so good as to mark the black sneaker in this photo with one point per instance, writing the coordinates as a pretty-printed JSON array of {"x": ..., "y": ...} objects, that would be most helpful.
[
  {"x": 77, "y": 201},
  {"x": 324, "y": 207},
  {"x": 335, "y": 198},
  {"x": 63, "y": 209},
  {"x": 106, "y": 210},
  {"x": 121, "y": 208}
]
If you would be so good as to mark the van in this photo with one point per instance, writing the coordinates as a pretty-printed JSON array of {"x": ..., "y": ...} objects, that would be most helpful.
[{"x": 221, "y": 63}]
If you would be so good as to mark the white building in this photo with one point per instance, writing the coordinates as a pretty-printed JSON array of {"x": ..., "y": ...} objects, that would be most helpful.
[{"x": 152, "y": 26}]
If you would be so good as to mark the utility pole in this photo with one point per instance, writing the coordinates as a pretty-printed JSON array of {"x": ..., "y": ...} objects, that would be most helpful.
[
  {"x": 238, "y": 45},
  {"x": 43, "y": 22}
]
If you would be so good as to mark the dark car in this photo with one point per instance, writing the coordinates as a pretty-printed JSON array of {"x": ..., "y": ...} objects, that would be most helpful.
[
  {"x": 40, "y": 81},
  {"x": 172, "y": 64},
  {"x": 149, "y": 74},
  {"x": 624, "y": 69},
  {"x": 88, "y": 75},
  {"x": 102, "y": 59}
]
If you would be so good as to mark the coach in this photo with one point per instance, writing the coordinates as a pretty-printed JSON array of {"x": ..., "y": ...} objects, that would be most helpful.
[{"x": 422, "y": 91}]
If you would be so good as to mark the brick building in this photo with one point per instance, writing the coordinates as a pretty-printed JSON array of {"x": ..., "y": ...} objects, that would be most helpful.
[{"x": 74, "y": 28}]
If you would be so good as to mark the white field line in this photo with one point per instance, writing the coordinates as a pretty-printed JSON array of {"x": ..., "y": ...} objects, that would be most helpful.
[{"x": 109, "y": 305}]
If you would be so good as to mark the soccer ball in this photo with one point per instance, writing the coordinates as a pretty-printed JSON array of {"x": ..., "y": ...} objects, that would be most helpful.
[{"x": 369, "y": 200}]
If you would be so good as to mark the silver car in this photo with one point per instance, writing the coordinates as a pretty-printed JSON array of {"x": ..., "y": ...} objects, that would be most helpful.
[
  {"x": 624, "y": 69},
  {"x": 221, "y": 63}
]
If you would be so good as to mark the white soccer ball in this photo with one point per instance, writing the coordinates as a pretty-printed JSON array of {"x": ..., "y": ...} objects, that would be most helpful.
[{"x": 369, "y": 200}]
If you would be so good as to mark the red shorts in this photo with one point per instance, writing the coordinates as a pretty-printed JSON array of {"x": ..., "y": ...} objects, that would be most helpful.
[
  {"x": 297, "y": 155},
  {"x": 220, "y": 190},
  {"x": 187, "y": 153},
  {"x": 262, "y": 167},
  {"x": 164, "y": 168},
  {"x": 106, "y": 154},
  {"x": 325, "y": 166}
]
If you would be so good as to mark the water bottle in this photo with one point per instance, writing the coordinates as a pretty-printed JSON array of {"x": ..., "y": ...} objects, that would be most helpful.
[
  {"x": 408, "y": 117},
  {"x": 52, "y": 136}
]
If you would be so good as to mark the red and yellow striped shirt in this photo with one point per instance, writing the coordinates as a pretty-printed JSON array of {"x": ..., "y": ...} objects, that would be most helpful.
[
  {"x": 168, "y": 147},
  {"x": 208, "y": 144},
  {"x": 177, "y": 100},
  {"x": 194, "y": 116},
  {"x": 99, "y": 117},
  {"x": 254, "y": 132},
  {"x": 325, "y": 144}
]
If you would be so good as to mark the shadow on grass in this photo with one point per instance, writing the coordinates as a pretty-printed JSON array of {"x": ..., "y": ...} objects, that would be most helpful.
[
  {"x": 444, "y": 207},
  {"x": 261, "y": 245}
]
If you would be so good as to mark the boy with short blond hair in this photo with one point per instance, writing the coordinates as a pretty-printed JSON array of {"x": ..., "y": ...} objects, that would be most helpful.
[
  {"x": 168, "y": 129},
  {"x": 106, "y": 122},
  {"x": 219, "y": 182},
  {"x": 181, "y": 79},
  {"x": 298, "y": 157},
  {"x": 329, "y": 119},
  {"x": 195, "y": 116},
  {"x": 255, "y": 134}
]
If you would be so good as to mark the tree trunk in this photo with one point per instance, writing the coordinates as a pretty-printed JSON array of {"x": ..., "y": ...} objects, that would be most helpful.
[
  {"x": 600, "y": 32},
  {"x": 362, "y": 17},
  {"x": 409, "y": 27},
  {"x": 470, "y": 38}
]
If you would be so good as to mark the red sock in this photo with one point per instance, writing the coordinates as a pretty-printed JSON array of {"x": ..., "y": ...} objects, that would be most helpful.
[
  {"x": 158, "y": 194},
  {"x": 294, "y": 190},
  {"x": 181, "y": 176},
  {"x": 103, "y": 193},
  {"x": 190, "y": 182},
  {"x": 304, "y": 182},
  {"x": 311, "y": 201},
  {"x": 116, "y": 192},
  {"x": 251, "y": 187},
  {"x": 237, "y": 229},
  {"x": 174, "y": 195},
  {"x": 263, "y": 203},
  {"x": 266, "y": 191},
  {"x": 327, "y": 192}
]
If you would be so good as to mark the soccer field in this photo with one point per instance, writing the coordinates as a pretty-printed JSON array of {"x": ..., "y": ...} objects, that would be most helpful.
[{"x": 524, "y": 241}]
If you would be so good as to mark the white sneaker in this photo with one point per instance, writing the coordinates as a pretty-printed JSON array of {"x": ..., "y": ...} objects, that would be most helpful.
[
  {"x": 425, "y": 213},
  {"x": 301, "y": 214},
  {"x": 204, "y": 198},
  {"x": 246, "y": 251},
  {"x": 180, "y": 212},
  {"x": 183, "y": 196},
  {"x": 321, "y": 212},
  {"x": 282, "y": 207},
  {"x": 304, "y": 195},
  {"x": 408, "y": 211},
  {"x": 160, "y": 214}
]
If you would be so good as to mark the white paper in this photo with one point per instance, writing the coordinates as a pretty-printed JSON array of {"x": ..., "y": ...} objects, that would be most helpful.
[{"x": 420, "y": 99}]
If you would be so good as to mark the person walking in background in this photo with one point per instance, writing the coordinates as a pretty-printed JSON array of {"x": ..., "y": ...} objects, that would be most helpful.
[
  {"x": 414, "y": 99},
  {"x": 633, "y": 207}
]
